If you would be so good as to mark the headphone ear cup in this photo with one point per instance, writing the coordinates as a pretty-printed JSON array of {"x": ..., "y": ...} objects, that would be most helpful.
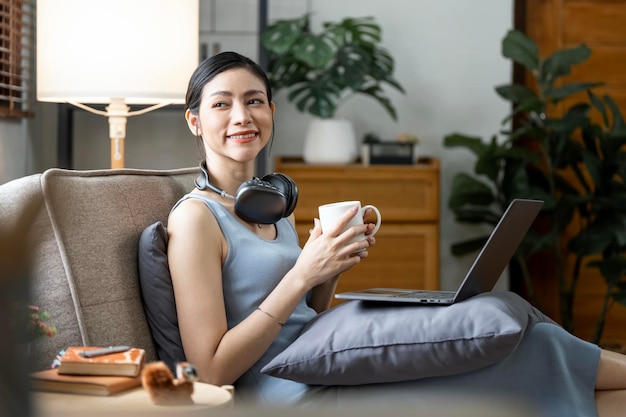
[
  {"x": 287, "y": 186},
  {"x": 258, "y": 201}
]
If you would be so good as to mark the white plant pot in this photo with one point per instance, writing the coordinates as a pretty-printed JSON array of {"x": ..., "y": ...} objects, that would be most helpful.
[{"x": 330, "y": 141}]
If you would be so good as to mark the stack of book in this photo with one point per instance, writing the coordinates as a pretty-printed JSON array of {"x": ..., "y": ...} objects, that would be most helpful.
[{"x": 93, "y": 371}]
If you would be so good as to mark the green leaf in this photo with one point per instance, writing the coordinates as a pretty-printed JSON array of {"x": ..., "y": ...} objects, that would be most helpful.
[
  {"x": 489, "y": 161},
  {"x": 619, "y": 292},
  {"x": 563, "y": 212},
  {"x": 596, "y": 237},
  {"x": 593, "y": 164},
  {"x": 286, "y": 72},
  {"x": 468, "y": 190},
  {"x": 317, "y": 51},
  {"x": 514, "y": 182},
  {"x": 320, "y": 69},
  {"x": 351, "y": 67},
  {"x": 516, "y": 93},
  {"x": 521, "y": 49},
  {"x": 618, "y": 120},
  {"x": 281, "y": 35},
  {"x": 376, "y": 92},
  {"x": 318, "y": 98},
  {"x": 612, "y": 269},
  {"x": 598, "y": 105},
  {"x": 531, "y": 105},
  {"x": 382, "y": 66},
  {"x": 476, "y": 215},
  {"x": 575, "y": 117},
  {"x": 527, "y": 132},
  {"x": 520, "y": 153},
  {"x": 472, "y": 143},
  {"x": 567, "y": 90},
  {"x": 560, "y": 63},
  {"x": 358, "y": 30}
]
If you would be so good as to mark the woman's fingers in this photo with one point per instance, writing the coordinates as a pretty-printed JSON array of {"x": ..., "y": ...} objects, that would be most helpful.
[
  {"x": 317, "y": 228},
  {"x": 338, "y": 227}
]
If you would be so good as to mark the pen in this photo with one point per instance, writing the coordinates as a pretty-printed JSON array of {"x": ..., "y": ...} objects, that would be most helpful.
[{"x": 103, "y": 351}]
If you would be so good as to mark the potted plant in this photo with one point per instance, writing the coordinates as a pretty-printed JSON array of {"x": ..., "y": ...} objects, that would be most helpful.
[
  {"x": 572, "y": 162},
  {"x": 320, "y": 71}
]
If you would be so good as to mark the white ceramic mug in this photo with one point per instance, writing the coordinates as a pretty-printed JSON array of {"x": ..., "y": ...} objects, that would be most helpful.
[{"x": 331, "y": 213}]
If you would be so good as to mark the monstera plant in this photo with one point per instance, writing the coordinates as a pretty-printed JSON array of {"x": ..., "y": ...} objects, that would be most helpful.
[
  {"x": 320, "y": 71},
  {"x": 573, "y": 159}
]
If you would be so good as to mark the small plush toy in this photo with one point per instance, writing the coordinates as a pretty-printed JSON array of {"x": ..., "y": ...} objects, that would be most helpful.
[{"x": 163, "y": 388}]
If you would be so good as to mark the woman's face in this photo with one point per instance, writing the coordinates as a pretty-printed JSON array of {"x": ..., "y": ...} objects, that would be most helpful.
[{"x": 235, "y": 117}]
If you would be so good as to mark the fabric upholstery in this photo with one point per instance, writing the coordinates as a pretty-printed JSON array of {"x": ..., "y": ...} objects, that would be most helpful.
[
  {"x": 84, "y": 267},
  {"x": 366, "y": 343}
]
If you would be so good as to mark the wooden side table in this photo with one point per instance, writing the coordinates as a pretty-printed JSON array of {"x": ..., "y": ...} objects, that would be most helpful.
[
  {"x": 406, "y": 254},
  {"x": 135, "y": 402}
]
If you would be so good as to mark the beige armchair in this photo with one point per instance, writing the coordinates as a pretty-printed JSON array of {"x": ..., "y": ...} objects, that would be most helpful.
[{"x": 83, "y": 262}]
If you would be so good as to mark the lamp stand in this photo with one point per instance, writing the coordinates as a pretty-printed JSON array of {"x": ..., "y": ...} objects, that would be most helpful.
[{"x": 118, "y": 113}]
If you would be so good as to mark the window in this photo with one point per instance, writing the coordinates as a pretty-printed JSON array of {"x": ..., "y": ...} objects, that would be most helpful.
[{"x": 17, "y": 25}]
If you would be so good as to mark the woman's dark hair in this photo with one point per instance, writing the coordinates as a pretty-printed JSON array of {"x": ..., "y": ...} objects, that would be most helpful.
[{"x": 215, "y": 65}]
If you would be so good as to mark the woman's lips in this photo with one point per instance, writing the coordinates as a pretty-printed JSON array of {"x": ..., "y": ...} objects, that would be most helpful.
[{"x": 243, "y": 137}]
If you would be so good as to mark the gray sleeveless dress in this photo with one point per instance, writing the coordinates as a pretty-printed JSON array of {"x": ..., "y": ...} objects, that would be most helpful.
[{"x": 551, "y": 370}]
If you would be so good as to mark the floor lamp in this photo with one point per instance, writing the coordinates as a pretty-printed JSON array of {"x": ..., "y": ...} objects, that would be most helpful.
[{"x": 117, "y": 53}]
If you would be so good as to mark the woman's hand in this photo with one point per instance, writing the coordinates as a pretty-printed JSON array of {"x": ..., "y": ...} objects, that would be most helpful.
[
  {"x": 369, "y": 218},
  {"x": 328, "y": 254}
]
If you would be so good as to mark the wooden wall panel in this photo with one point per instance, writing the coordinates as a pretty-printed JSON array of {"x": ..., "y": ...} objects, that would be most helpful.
[
  {"x": 594, "y": 22},
  {"x": 607, "y": 64}
]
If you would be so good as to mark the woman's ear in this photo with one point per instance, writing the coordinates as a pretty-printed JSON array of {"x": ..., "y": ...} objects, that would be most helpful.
[
  {"x": 193, "y": 122},
  {"x": 273, "y": 106}
]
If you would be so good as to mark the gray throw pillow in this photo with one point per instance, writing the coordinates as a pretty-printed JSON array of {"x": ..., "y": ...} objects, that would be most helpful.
[
  {"x": 364, "y": 343},
  {"x": 158, "y": 294}
]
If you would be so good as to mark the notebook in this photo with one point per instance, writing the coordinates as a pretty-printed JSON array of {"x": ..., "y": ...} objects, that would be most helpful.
[{"x": 484, "y": 272}]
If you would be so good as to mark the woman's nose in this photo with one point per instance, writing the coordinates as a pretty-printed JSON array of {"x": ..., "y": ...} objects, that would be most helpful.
[{"x": 241, "y": 114}]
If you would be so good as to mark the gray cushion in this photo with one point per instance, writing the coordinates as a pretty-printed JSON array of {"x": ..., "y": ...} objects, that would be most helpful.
[
  {"x": 158, "y": 294},
  {"x": 363, "y": 343}
]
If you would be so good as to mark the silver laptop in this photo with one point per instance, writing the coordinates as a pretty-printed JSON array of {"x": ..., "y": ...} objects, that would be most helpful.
[{"x": 484, "y": 272}]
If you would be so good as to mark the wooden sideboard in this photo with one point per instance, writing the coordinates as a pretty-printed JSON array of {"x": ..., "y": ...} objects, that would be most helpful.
[{"x": 406, "y": 254}]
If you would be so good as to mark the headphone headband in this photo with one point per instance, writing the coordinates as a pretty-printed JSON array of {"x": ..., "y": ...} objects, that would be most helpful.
[{"x": 202, "y": 182}]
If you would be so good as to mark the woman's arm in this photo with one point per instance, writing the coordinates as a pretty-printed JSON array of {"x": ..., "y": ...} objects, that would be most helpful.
[
  {"x": 322, "y": 295},
  {"x": 196, "y": 251}
]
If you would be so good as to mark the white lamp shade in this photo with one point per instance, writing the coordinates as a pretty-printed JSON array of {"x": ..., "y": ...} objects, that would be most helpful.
[{"x": 90, "y": 51}]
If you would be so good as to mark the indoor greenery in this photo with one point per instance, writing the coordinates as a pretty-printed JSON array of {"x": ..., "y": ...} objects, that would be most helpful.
[
  {"x": 322, "y": 70},
  {"x": 574, "y": 160},
  {"x": 37, "y": 326}
]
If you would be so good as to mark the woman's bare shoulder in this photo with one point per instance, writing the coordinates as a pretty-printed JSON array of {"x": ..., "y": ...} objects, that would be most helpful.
[
  {"x": 192, "y": 225},
  {"x": 189, "y": 211},
  {"x": 192, "y": 219}
]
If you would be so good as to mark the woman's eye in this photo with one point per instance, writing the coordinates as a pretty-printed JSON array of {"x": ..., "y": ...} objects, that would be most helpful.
[
  {"x": 256, "y": 101},
  {"x": 220, "y": 104}
]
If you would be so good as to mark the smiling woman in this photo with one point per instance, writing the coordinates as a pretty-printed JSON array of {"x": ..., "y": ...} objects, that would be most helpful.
[
  {"x": 16, "y": 56},
  {"x": 243, "y": 294}
]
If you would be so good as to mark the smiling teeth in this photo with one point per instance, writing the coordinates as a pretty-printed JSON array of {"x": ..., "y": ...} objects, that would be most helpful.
[{"x": 250, "y": 135}]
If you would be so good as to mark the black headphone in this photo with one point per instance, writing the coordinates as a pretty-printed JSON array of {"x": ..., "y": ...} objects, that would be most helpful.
[{"x": 263, "y": 201}]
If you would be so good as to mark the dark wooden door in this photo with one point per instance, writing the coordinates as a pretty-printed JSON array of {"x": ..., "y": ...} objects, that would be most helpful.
[{"x": 600, "y": 24}]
